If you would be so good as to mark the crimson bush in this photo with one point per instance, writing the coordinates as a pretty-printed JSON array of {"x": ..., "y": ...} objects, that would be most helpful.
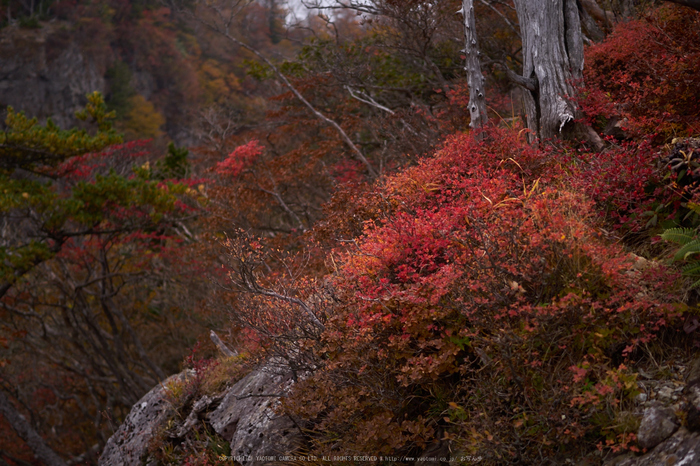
[{"x": 484, "y": 310}]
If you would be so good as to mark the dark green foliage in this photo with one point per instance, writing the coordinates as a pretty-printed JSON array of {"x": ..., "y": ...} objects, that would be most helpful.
[
  {"x": 29, "y": 146},
  {"x": 687, "y": 239},
  {"x": 175, "y": 164},
  {"x": 119, "y": 80}
]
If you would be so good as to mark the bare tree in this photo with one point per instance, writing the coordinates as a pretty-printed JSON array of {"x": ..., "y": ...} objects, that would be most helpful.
[
  {"x": 552, "y": 62},
  {"x": 219, "y": 17},
  {"x": 267, "y": 292},
  {"x": 477, "y": 99}
]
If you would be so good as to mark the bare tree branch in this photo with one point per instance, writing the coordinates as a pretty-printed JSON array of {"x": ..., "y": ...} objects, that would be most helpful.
[
  {"x": 22, "y": 427},
  {"x": 224, "y": 30},
  {"x": 528, "y": 83},
  {"x": 504, "y": 17},
  {"x": 221, "y": 345},
  {"x": 368, "y": 100}
]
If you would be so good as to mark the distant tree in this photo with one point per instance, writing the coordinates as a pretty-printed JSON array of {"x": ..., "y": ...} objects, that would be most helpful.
[
  {"x": 142, "y": 121},
  {"x": 275, "y": 20},
  {"x": 120, "y": 90},
  {"x": 85, "y": 247},
  {"x": 219, "y": 17},
  {"x": 27, "y": 433},
  {"x": 552, "y": 53}
]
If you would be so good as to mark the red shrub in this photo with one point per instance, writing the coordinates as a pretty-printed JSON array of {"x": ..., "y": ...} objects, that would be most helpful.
[
  {"x": 627, "y": 185},
  {"x": 648, "y": 71},
  {"x": 484, "y": 308},
  {"x": 240, "y": 159}
]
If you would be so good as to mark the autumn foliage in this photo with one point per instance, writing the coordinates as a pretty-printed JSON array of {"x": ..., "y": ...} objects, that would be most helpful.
[
  {"x": 241, "y": 158},
  {"x": 474, "y": 303},
  {"x": 88, "y": 281},
  {"x": 474, "y": 297},
  {"x": 484, "y": 307},
  {"x": 653, "y": 88}
]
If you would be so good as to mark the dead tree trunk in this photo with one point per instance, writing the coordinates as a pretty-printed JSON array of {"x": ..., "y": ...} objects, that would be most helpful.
[
  {"x": 475, "y": 79},
  {"x": 552, "y": 62}
]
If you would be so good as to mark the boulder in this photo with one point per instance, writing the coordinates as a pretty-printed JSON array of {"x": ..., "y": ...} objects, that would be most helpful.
[
  {"x": 658, "y": 424},
  {"x": 129, "y": 444},
  {"x": 246, "y": 416},
  {"x": 243, "y": 415},
  {"x": 682, "y": 448}
]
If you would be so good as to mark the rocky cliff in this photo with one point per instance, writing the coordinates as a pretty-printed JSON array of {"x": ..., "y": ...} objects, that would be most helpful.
[
  {"x": 44, "y": 73},
  {"x": 243, "y": 416}
]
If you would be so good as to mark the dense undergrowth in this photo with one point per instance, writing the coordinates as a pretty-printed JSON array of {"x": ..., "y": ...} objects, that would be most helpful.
[
  {"x": 489, "y": 308},
  {"x": 486, "y": 311},
  {"x": 495, "y": 302}
]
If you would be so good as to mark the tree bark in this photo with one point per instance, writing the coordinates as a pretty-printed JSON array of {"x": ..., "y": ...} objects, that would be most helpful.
[
  {"x": 599, "y": 14},
  {"x": 553, "y": 57},
  {"x": 28, "y": 434},
  {"x": 589, "y": 25},
  {"x": 475, "y": 79}
]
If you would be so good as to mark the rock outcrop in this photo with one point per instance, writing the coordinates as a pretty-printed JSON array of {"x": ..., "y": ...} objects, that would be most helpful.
[
  {"x": 660, "y": 433},
  {"x": 129, "y": 445},
  {"x": 682, "y": 448},
  {"x": 243, "y": 415},
  {"x": 658, "y": 424},
  {"x": 44, "y": 73},
  {"x": 246, "y": 416}
]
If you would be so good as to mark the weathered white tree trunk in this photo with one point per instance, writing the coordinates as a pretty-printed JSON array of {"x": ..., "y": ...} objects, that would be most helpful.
[
  {"x": 552, "y": 62},
  {"x": 475, "y": 79}
]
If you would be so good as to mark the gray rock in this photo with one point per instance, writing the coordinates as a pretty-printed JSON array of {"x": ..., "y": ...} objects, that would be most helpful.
[
  {"x": 692, "y": 394},
  {"x": 681, "y": 449},
  {"x": 193, "y": 418},
  {"x": 665, "y": 393},
  {"x": 246, "y": 416},
  {"x": 658, "y": 424},
  {"x": 45, "y": 74},
  {"x": 693, "y": 376},
  {"x": 128, "y": 446}
]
